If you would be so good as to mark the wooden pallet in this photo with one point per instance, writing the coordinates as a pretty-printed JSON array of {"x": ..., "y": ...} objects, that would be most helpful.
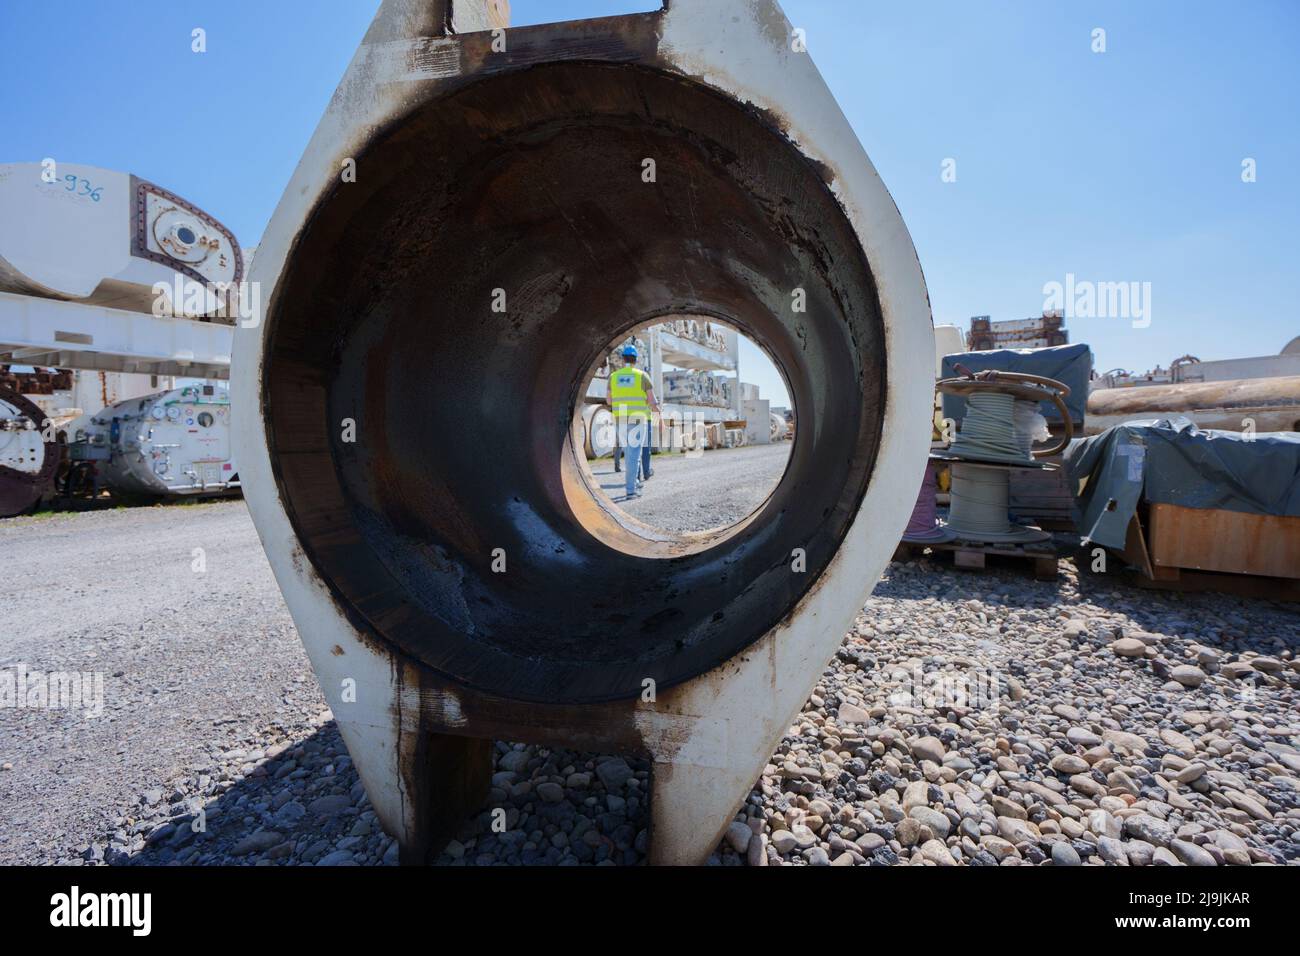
[
  {"x": 1242, "y": 585},
  {"x": 1044, "y": 556}
]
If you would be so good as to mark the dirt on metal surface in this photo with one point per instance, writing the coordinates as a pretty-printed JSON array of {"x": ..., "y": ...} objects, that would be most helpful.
[{"x": 384, "y": 316}]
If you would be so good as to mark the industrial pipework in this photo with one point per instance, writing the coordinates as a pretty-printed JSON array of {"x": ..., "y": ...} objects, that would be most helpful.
[{"x": 476, "y": 217}]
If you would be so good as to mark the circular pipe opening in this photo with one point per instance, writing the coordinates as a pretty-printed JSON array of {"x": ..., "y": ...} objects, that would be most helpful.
[
  {"x": 681, "y": 435},
  {"x": 433, "y": 325}
]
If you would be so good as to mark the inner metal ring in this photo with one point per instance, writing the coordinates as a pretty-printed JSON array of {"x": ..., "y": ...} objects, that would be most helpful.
[
  {"x": 454, "y": 528},
  {"x": 658, "y": 542}
]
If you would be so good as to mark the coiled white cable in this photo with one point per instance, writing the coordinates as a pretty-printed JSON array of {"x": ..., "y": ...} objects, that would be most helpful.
[
  {"x": 997, "y": 428},
  {"x": 989, "y": 432},
  {"x": 979, "y": 499}
]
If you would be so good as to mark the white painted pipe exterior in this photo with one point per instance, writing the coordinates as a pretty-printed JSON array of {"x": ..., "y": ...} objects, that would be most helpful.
[{"x": 711, "y": 736}]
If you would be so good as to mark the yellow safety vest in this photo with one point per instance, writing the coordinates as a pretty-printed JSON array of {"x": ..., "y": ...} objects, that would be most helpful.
[{"x": 628, "y": 387}]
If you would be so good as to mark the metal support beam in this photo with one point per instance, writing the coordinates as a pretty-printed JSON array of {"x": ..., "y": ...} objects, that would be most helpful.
[{"x": 55, "y": 333}]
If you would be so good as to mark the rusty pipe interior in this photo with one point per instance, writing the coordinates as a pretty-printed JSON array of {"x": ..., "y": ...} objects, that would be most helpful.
[{"x": 531, "y": 182}]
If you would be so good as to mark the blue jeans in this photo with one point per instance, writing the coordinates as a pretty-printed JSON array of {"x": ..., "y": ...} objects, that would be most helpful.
[
  {"x": 636, "y": 438},
  {"x": 645, "y": 457}
]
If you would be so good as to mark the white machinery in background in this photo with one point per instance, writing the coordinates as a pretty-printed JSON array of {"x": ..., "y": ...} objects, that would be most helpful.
[
  {"x": 1188, "y": 369},
  {"x": 779, "y": 427},
  {"x": 172, "y": 443},
  {"x": 102, "y": 270},
  {"x": 116, "y": 280},
  {"x": 100, "y": 237},
  {"x": 948, "y": 340},
  {"x": 36, "y": 408}
]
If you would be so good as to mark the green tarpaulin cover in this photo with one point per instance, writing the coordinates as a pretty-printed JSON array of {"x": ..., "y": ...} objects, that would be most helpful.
[{"x": 1171, "y": 461}]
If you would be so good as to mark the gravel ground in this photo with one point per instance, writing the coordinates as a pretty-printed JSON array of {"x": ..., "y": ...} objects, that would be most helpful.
[
  {"x": 1122, "y": 726},
  {"x": 192, "y": 661},
  {"x": 742, "y": 478}
]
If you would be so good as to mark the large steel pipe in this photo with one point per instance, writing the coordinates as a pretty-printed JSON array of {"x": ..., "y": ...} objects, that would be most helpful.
[
  {"x": 404, "y": 406},
  {"x": 1270, "y": 404}
]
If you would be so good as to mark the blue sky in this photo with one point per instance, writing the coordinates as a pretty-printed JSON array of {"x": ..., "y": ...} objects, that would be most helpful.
[{"x": 1122, "y": 166}]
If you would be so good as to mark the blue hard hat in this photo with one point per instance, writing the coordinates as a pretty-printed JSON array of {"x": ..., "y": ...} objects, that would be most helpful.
[{"x": 629, "y": 351}]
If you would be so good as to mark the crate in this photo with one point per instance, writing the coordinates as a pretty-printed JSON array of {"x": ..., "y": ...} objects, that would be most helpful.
[{"x": 1210, "y": 549}]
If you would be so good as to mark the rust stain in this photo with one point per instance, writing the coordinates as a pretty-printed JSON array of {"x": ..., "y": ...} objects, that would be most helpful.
[
  {"x": 382, "y": 314},
  {"x": 1191, "y": 396},
  {"x": 521, "y": 173}
]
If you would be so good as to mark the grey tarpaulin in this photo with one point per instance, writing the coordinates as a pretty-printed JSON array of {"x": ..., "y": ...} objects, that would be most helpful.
[
  {"x": 1174, "y": 462},
  {"x": 1069, "y": 364}
]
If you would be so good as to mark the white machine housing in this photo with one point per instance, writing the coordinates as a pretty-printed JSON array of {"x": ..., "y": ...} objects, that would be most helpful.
[
  {"x": 81, "y": 233},
  {"x": 175, "y": 442}
]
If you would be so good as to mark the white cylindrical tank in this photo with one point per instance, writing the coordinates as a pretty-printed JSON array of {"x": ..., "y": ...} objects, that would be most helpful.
[
  {"x": 172, "y": 443},
  {"x": 778, "y": 426},
  {"x": 948, "y": 340},
  {"x": 598, "y": 431}
]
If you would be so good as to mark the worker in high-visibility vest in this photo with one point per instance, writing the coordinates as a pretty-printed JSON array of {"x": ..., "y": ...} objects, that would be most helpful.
[{"x": 632, "y": 399}]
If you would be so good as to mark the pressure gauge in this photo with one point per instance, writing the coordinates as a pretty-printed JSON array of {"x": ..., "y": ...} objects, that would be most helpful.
[
  {"x": 158, "y": 412},
  {"x": 173, "y": 414}
]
